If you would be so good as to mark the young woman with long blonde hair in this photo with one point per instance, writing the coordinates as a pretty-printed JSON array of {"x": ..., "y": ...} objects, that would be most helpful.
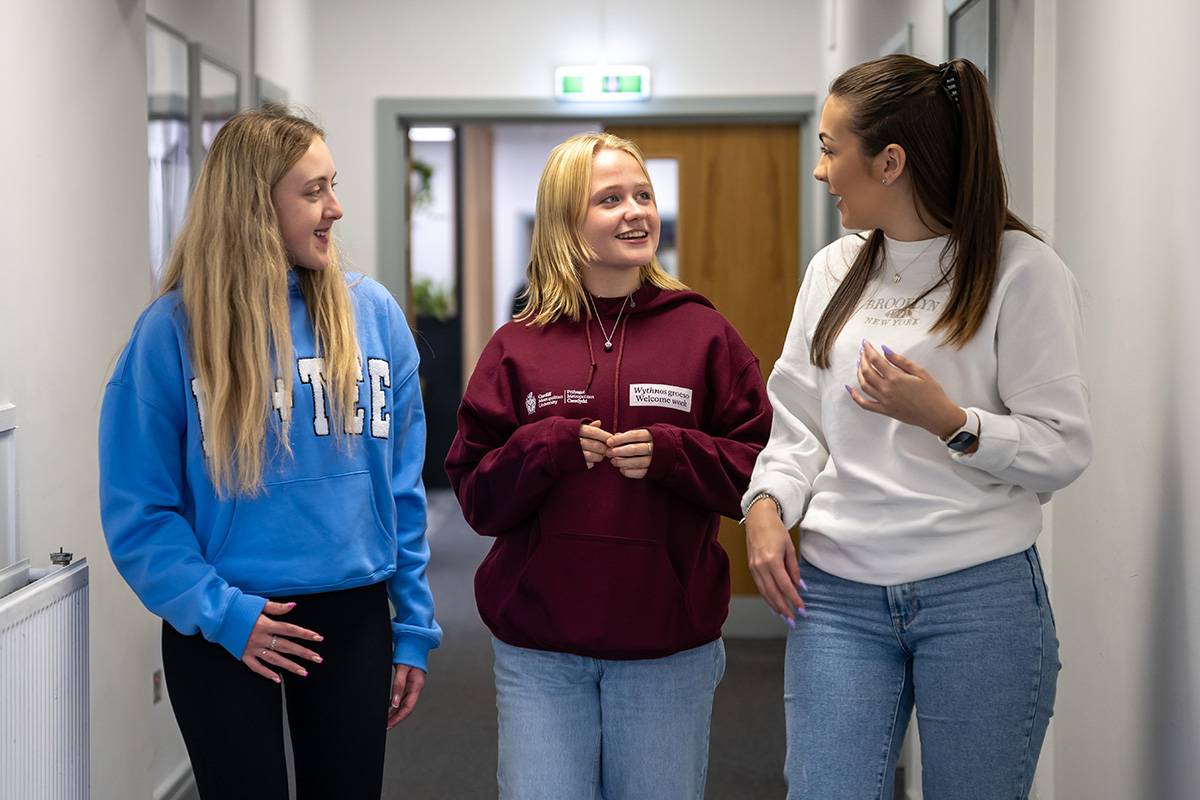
[
  {"x": 603, "y": 434},
  {"x": 928, "y": 399},
  {"x": 261, "y": 444}
]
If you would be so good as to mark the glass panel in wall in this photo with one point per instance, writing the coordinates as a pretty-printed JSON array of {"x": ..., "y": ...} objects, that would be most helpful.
[
  {"x": 218, "y": 99},
  {"x": 434, "y": 245},
  {"x": 167, "y": 139},
  {"x": 664, "y": 175}
]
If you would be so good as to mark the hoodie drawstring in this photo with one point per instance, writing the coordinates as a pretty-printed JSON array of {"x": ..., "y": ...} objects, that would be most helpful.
[
  {"x": 616, "y": 423},
  {"x": 587, "y": 329}
]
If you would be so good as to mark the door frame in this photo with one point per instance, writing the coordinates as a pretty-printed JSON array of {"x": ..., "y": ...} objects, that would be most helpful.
[{"x": 393, "y": 117}]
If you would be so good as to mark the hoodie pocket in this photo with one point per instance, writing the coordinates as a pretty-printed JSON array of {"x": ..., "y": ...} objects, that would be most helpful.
[
  {"x": 600, "y": 594},
  {"x": 306, "y": 535}
]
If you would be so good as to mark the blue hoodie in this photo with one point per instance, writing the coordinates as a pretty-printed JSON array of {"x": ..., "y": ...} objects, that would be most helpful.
[{"x": 330, "y": 517}]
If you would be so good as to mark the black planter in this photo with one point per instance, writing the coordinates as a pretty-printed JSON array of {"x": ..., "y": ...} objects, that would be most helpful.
[{"x": 440, "y": 345}]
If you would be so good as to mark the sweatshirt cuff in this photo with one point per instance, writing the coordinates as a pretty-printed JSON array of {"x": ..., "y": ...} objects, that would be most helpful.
[
  {"x": 239, "y": 621},
  {"x": 791, "y": 497},
  {"x": 412, "y": 651},
  {"x": 665, "y": 450},
  {"x": 999, "y": 438},
  {"x": 562, "y": 444}
]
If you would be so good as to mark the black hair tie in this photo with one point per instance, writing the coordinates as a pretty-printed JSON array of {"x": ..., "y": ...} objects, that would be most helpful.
[{"x": 949, "y": 81}]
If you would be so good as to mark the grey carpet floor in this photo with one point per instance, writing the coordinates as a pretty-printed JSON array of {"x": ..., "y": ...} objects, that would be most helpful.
[{"x": 447, "y": 748}]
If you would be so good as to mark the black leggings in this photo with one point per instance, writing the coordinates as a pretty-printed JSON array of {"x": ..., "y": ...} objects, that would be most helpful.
[{"x": 232, "y": 719}]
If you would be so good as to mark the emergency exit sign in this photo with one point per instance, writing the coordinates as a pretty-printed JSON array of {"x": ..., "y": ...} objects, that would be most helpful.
[{"x": 601, "y": 83}]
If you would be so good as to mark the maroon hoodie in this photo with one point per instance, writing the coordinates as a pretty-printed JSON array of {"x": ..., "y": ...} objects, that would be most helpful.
[{"x": 589, "y": 561}]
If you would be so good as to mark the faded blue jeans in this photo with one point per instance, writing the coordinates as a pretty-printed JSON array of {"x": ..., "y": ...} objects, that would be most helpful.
[
  {"x": 578, "y": 728},
  {"x": 975, "y": 650}
]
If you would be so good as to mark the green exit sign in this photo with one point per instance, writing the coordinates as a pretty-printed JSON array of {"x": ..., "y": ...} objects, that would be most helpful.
[{"x": 601, "y": 83}]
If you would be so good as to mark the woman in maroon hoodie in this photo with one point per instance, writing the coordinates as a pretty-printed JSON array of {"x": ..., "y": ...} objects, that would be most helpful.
[{"x": 604, "y": 432}]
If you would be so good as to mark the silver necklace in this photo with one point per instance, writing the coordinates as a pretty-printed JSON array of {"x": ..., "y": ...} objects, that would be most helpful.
[
  {"x": 608, "y": 336},
  {"x": 897, "y": 273}
]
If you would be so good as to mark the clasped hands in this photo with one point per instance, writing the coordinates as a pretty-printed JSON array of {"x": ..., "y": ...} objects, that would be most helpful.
[{"x": 630, "y": 452}]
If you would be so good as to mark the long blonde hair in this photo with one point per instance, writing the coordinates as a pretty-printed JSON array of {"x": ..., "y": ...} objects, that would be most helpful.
[
  {"x": 231, "y": 268},
  {"x": 558, "y": 251}
]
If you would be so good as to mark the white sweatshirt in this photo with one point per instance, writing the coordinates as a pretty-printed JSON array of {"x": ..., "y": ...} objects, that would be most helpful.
[{"x": 883, "y": 502}]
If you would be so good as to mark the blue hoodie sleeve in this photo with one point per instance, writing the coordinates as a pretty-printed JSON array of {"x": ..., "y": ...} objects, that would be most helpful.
[
  {"x": 414, "y": 630},
  {"x": 143, "y": 497}
]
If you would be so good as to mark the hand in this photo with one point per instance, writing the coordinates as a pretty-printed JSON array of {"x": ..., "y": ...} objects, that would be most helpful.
[
  {"x": 270, "y": 639},
  {"x": 631, "y": 452},
  {"x": 892, "y": 385},
  {"x": 772, "y": 558},
  {"x": 407, "y": 683},
  {"x": 592, "y": 439}
]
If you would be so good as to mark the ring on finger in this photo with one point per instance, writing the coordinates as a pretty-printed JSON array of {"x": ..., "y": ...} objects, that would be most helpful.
[{"x": 273, "y": 638}]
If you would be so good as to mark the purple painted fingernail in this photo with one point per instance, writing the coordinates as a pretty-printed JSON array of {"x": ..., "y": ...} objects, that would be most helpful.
[
  {"x": 849, "y": 391},
  {"x": 791, "y": 623},
  {"x": 802, "y": 611},
  {"x": 889, "y": 352},
  {"x": 803, "y": 585}
]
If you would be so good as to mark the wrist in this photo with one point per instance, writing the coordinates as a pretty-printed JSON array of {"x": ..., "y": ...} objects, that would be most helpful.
[
  {"x": 949, "y": 422},
  {"x": 759, "y": 505}
]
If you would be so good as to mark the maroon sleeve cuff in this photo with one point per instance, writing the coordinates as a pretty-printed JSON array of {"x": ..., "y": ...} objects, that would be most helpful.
[
  {"x": 562, "y": 445},
  {"x": 666, "y": 450}
]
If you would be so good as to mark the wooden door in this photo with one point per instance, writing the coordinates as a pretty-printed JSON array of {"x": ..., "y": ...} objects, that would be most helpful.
[{"x": 737, "y": 239}]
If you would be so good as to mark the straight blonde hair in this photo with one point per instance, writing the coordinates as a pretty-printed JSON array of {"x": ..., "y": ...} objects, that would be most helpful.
[
  {"x": 231, "y": 268},
  {"x": 558, "y": 251}
]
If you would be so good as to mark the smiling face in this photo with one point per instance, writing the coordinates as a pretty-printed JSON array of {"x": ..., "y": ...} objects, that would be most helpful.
[
  {"x": 621, "y": 223},
  {"x": 307, "y": 207},
  {"x": 854, "y": 177}
]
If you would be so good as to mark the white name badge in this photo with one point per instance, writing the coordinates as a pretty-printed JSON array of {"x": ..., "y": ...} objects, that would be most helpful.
[{"x": 662, "y": 395}]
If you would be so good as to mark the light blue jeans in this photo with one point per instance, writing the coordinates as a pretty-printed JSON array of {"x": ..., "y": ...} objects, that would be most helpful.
[
  {"x": 578, "y": 728},
  {"x": 975, "y": 650}
]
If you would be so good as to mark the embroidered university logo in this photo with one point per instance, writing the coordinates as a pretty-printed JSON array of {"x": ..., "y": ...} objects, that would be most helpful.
[
  {"x": 530, "y": 404},
  {"x": 662, "y": 395}
]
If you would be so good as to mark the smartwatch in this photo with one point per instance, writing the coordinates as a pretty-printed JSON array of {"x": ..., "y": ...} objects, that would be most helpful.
[{"x": 965, "y": 438}]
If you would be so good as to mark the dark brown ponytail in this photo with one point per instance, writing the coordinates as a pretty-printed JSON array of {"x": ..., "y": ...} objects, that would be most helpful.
[{"x": 942, "y": 117}]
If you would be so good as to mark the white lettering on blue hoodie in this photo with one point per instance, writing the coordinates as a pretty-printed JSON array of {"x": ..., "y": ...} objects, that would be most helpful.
[{"x": 330, "y": 516}]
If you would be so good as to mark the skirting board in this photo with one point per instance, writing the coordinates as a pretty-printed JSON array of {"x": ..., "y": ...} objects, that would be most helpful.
[
  {"x": 750, "y": 618},
  {"x": 180, "y": 786}
]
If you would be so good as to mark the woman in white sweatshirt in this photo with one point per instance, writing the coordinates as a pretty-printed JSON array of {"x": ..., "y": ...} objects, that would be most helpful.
[{"x": 927, "y": 401}]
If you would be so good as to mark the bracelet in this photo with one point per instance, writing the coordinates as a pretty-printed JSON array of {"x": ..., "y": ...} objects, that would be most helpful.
[{"x": 760, "y": 496}]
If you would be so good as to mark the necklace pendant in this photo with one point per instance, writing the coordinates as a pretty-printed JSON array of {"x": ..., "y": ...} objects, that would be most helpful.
[
  {"x": 896, "y": 278},
  {"x": 608, "y": 347}
]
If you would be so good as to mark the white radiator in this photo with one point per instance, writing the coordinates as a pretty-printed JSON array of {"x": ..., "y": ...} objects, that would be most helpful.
[{"x": 44, "y": 721}]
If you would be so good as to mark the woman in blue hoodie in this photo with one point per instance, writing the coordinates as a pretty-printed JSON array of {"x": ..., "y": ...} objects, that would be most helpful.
[{"x": 261, "y": 444}]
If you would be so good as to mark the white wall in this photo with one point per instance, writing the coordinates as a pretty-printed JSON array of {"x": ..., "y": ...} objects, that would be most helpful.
[
  {"x": 369, "y": 50},
  {"x": 1127, "y": 541},
  {"x": 284, "y": 46},
  {"x": 73, "y": 276}
]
